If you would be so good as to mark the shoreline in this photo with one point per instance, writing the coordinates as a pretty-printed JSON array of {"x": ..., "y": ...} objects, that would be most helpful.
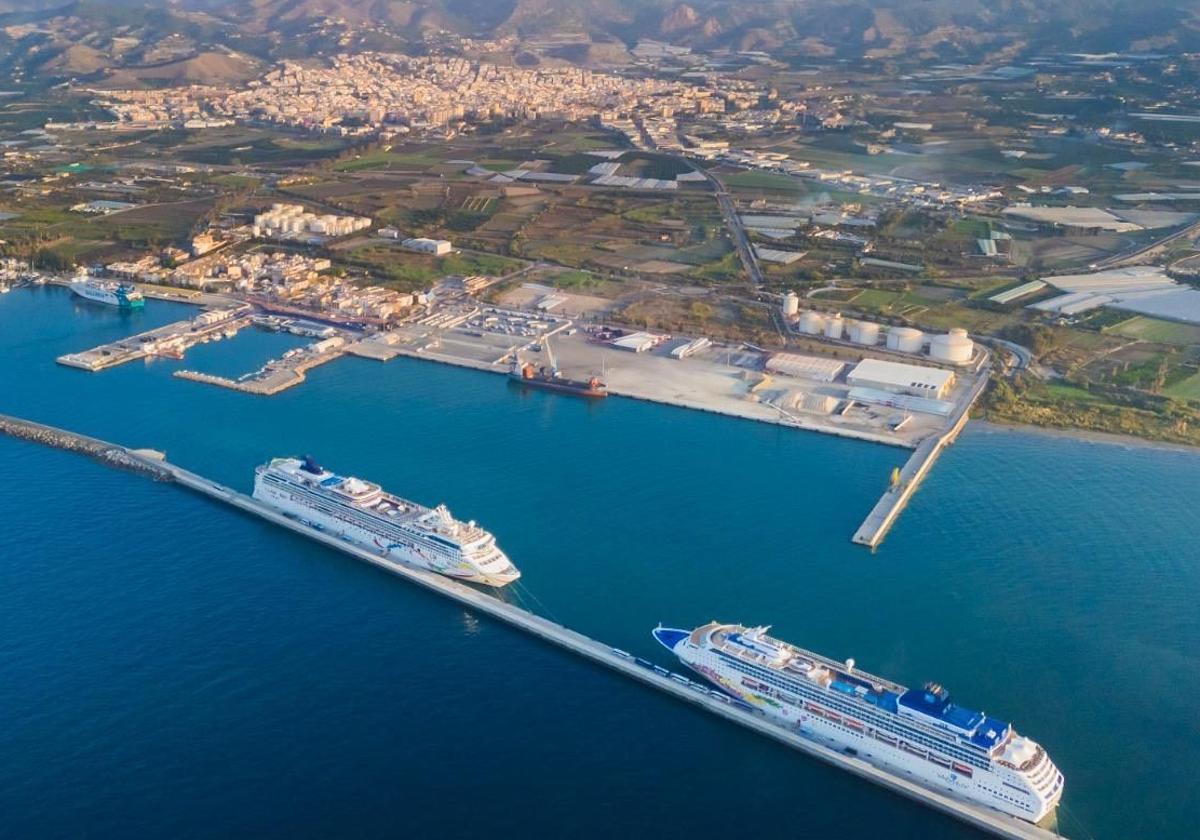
[{"x": 1082, "y": 436}]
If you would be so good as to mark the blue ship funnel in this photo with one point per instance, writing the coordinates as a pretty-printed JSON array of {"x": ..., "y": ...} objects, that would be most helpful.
[{"x": 669, "y": 637}]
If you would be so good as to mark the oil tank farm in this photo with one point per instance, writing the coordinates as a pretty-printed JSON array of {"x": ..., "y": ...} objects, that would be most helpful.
[
  {"x": 835, "y": 326},
  {"x": 905, "y": 340},
  {"x": 865, "y": 333},
  {"x": 954, "y": 347},
  {"x": 812, "y": 323},
  {"x": 791, "y": 305}
]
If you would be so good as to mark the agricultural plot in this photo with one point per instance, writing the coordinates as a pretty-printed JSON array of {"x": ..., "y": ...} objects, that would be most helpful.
[{"x": 1156, "y": 330}]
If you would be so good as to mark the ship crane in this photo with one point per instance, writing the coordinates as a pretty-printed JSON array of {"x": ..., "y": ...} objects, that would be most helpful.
[{"x": 550, "y": 356}]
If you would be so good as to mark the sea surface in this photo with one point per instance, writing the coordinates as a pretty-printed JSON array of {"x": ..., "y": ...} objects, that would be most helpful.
[{"x": 172, "y": 668}]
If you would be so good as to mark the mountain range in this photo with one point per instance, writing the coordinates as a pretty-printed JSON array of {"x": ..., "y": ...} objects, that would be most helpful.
[{"x": 187, "y": 40}]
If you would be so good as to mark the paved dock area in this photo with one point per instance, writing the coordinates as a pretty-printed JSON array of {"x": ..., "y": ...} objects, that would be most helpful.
[
  {"x": 276, "y": 376},
  {"x": 171, "y": 340},
  {"x": 719, "y": 379}
]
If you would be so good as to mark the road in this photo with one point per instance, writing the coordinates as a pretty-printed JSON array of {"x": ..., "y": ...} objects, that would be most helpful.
[{"x": 1147, "y": 253}]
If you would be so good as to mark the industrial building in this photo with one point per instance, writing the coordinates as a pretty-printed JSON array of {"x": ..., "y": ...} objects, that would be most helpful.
[
  {"x": 638, "y": 342},
  {"x": 928, "y": 382},
  {"x": 437, "y": 247},
  {"x": 808, "y": 367},
  {"x": 689, "y": 348}
]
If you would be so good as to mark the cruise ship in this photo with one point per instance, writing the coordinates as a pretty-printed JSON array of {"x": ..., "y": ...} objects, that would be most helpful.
[
  {"x": 108, "y": 292},
  {"x": 917, "y": 734},
  {"x": 362, "y": 513}
]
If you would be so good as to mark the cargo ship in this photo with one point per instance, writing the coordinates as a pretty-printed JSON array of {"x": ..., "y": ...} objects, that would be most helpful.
[
  {"x": 548, "y": 377},
  {"x": 362, "y": 513},
  {"x": 917, "y": 734}
]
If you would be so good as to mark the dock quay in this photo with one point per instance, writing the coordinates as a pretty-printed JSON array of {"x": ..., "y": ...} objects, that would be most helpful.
[
  {"x": 170, "y": 341},
  {"x": 881, "y": 518},
  {"x": 277, "y": 375},
  {"x": 678, "y": 686}
]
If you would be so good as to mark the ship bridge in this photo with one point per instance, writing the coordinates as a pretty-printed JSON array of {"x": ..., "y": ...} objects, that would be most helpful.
[{"x": 933, "y": 704}]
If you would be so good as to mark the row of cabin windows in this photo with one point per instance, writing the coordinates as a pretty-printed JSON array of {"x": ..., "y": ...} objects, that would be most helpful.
[
  {"x": 339, "y": 510},
  {"x": 876, "y": 720}
]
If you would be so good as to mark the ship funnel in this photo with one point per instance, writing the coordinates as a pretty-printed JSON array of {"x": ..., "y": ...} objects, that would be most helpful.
[{"x": 849, "y": 664}]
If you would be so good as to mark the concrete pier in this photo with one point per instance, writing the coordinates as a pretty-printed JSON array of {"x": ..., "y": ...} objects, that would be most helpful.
[
  {"x": 277, "y": 376},
  {"x": 171, "y": 340},
  {"x": 879, "y": 521},
  {"x": 678, "y": 686}
]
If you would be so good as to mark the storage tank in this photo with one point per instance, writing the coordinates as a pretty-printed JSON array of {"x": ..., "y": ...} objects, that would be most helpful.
[
  {"x": 865, "y": 333},
  {"x": 791, "y": 305},
  {"x": 835, "y": 326},
  {"x": 812, "y": 323},
  {"x": 905, "y": 339},
  {"x": 955, "y": 347}
]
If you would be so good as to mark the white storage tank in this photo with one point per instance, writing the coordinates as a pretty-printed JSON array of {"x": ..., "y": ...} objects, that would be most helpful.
[
  {"x": 791, "y": 305},
  {"x": 812, "y": 323},
  {"x": 905, "y": 339},
  {"x": 865, "y": 333},
  {"x": 835, "y": 326},
  {"x": 955, "y": 347}
]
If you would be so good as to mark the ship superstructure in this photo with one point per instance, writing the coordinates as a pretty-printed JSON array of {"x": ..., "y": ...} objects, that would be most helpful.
[
  {"x": 361, "y": 512},
  {"x": 915, "y": 733},
  {"x": 108, "y": 292}
]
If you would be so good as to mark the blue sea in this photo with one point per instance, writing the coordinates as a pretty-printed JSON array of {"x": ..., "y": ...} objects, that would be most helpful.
[{"x": 172, "y": 668}]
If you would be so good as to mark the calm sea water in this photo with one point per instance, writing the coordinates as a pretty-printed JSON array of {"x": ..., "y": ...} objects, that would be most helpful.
[{"x": 170, "y": 668}]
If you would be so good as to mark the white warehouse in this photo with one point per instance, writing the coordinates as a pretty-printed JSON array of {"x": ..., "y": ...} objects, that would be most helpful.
[
  {"x": 901, "y": 378},
  {"x": 806, "y": 367},
  {"x": 437, "y": 247}
]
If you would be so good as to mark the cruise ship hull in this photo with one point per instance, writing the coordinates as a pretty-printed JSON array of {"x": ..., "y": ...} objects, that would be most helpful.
[
  {"x": 854, "y": 735},
  {"x": 401, "y": 548}
]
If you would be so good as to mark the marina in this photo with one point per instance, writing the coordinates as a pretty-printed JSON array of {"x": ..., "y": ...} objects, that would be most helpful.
[{"x": 643, "y": 671}]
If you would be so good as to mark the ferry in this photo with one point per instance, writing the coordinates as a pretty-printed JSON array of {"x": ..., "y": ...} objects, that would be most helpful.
[
  {"x": 362, "y": 513},
  {"x": 108, "y": 292},
  {"x": 919, "y": 735}
]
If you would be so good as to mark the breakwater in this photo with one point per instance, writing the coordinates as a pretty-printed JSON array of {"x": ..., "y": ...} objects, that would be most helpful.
[{"x": 103, "y": 451}]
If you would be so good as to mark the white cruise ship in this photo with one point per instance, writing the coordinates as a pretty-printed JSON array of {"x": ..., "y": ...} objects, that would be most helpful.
[
  {"x": 917, "y": 734},
  {"x": 362, "y": 513},
  {"x": 108, "y": 292}
]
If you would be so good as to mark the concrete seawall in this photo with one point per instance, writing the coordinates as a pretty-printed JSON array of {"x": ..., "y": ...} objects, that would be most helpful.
[{"x": 153, "y": 464}]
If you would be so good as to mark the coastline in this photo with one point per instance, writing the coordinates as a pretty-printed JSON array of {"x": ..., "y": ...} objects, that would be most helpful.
[{"x": 1082, "y": 435}]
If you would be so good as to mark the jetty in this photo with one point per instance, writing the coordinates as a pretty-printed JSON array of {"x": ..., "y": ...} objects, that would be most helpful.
[
  {"x": 154, "y": 464},
  {"x": 277, "y": 375},
  {"x": 881, "y": 518}
]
